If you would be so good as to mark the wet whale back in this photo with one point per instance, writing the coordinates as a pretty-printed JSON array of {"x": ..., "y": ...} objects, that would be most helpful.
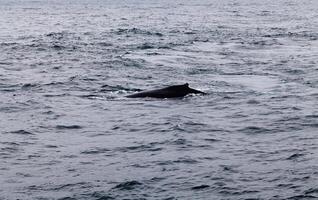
[{"x": 167, "y": 92}]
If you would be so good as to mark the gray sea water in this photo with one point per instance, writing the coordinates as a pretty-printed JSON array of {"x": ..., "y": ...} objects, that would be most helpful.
[{"x": 67, "y": 131}]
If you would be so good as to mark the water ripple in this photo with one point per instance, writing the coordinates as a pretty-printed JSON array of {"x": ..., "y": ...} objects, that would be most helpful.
[{"x": 68, "y": 132}]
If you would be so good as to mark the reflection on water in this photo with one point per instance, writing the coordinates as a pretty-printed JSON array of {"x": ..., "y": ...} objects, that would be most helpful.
[{"x": 68, "y": 132}]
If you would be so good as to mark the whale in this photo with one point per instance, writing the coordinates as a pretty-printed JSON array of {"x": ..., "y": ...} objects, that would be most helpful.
[{"x": 173, "y": 91}]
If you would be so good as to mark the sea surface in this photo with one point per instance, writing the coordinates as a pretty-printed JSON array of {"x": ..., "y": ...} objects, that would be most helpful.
[{"x": 67, "y": 131}]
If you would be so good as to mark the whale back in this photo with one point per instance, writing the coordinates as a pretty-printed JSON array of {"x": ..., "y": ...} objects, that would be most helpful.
[{"x": 167, "y": 92}]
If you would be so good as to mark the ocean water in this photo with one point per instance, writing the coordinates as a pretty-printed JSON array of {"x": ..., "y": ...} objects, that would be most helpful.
[{"x": 68, "y": 132}]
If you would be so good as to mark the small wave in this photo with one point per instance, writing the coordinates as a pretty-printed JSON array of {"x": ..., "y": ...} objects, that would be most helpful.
[
  {"x": 67, "y": 198},
  {"x": 313, "y": 124},
  {"x": 64, "y": 186},
  {"x": 314, "y": 116},
  {"x": 56, "y": 95},
  {"x": 57, "y": 35},
  {"x": 257, "y": 44},
  {"x": 9, "y": 87},
  {"x": 55, "y": 83},
  {"x": 229, "y": 168},
  {"x": 139, "y": 148},
  {"x": 68, "y": 127},
  {"x": 311, "y": 191},
  {"x": 295, "y": 156},
  {"x": 136, "y": 31},
  {"x": 297, "y": 197},
  {"x": 304, "y": 35},
  {"x": 6, "y": 63},
  {"x": 153, "y": 53},
  {"x": 180, "y": 141},
  {"x": 95, "y": 151},
  {"x": 253, "y": 101},
  {"x": 67, "y": 186},
  {"x": 254, "y": 130},
  {"x": 45, "y": 46},
  {"x": 104, "y": 44},
  {"x": 294, "y": 71},
  {"x": 236, "y": 191},
  {"x": 90, "y": 96},
  {"x": 99, "y": 196},
  {"x": 295, "y": 35},
  {"x": 146, "y": 46},
  {"x": 110, "y": 88},
  {"x": 51, "y": 146},
  {"x": 198, "y": 70},
  {"x": 200, "y": 187},
  {"x": 186, "y": 160},
  {"x": 128, "y": 185},
  {"x": 140, "y": 165},
  {"x": 21, "y": 132},
  {"x": 5, "y": 44},
  {"x": 211, "y": 140},
  {"x": 10, "y": 143},
  {"x": 125, "y": 62},
  {"x": 8, "y": 150},
  {"x": 190, "y": 32},
  {"x": 58, "y": 47},
  {"x": 30, "y": 86}
]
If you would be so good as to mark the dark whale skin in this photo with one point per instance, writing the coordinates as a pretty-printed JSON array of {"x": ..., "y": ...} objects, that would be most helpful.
[{"x": 174, "y": 91}]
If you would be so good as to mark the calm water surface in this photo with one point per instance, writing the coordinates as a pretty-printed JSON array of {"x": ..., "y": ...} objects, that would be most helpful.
[{"x": 68, "y": 132}]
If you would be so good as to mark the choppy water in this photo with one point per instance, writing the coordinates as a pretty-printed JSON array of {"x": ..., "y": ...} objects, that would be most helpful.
[{"x": 67, "y": 132}]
